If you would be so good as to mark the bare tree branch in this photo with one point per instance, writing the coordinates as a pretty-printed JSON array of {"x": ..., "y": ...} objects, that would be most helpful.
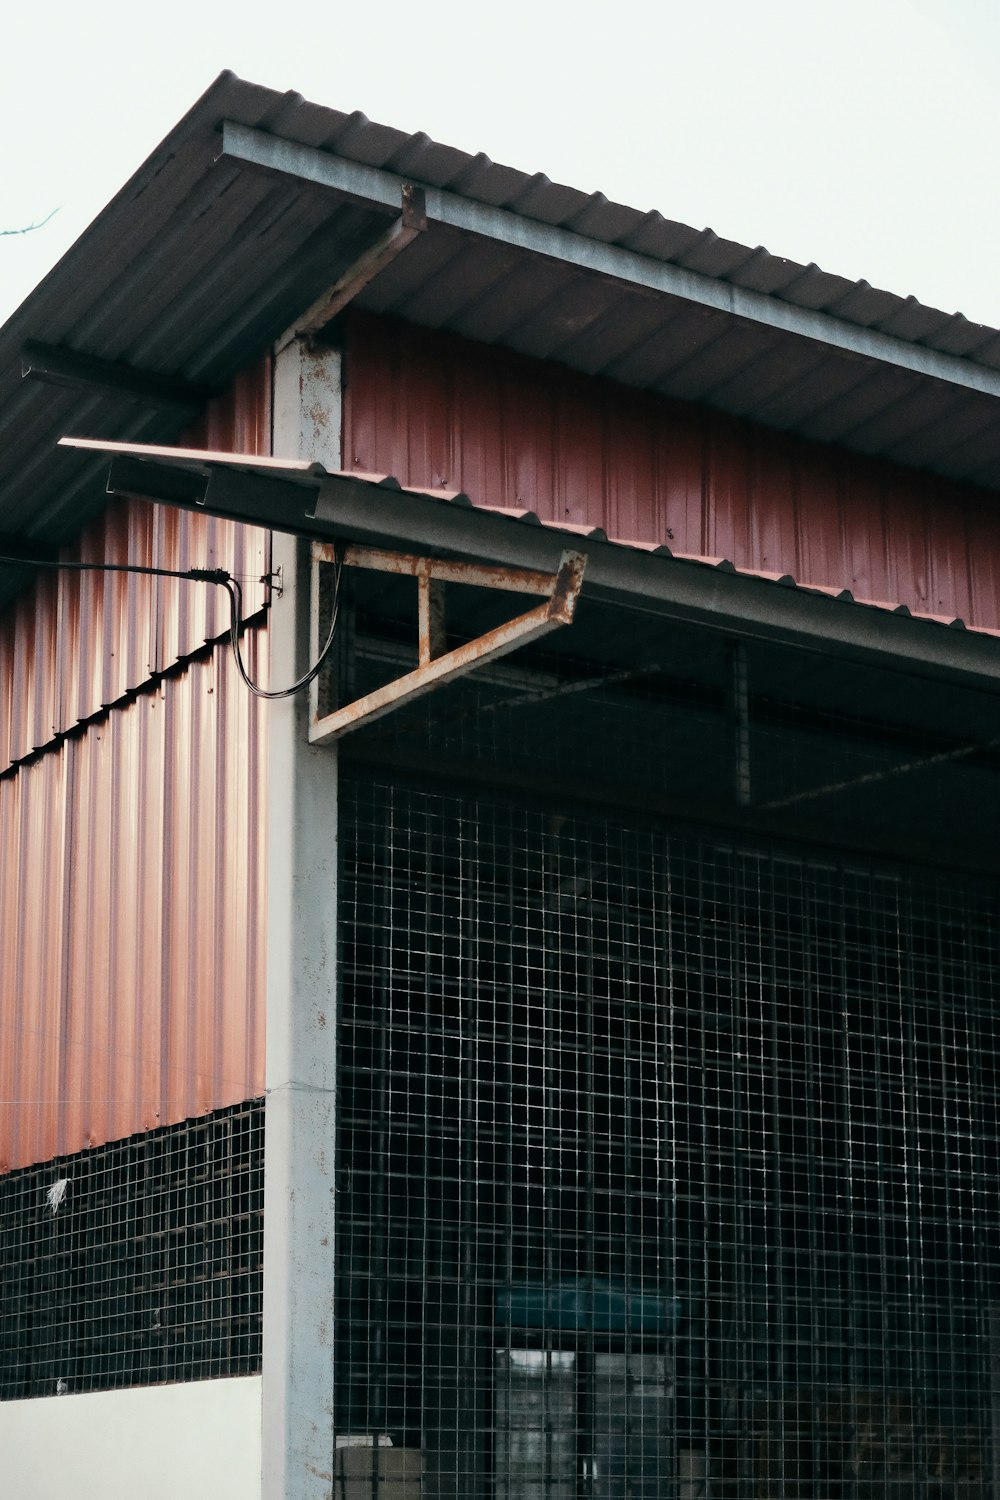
[{"x": 40, "y": 224}]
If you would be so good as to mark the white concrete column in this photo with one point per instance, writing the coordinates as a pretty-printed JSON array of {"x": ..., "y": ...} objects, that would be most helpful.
[{"x": 299, "y": 1161}]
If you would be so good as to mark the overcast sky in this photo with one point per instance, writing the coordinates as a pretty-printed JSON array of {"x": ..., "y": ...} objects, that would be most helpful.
[{"x": 862, "y": 136}]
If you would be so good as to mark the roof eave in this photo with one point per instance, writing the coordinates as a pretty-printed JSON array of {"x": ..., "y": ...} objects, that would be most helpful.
[{"x": 387, "y": 191}]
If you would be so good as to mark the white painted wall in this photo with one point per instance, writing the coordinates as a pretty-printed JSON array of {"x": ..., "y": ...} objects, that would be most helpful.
[{"x": 197, "y": 1441}]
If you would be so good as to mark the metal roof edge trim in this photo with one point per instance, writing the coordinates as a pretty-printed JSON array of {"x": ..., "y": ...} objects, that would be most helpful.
[{"x": 383, "y": 189}]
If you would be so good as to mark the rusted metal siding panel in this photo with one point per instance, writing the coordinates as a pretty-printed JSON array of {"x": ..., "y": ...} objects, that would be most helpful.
[
  {"x": 984, "y": 556},
  {"x": 132, "y": 887},
  {"x": 31, "y": 941},
  {"x": 131, "y": 853},
  {"x": 76, "y": 642},
  {"x": 29, "y": 682},
  {"x": 7, "y": 696},
  {"x": 188, "y": 614},
  {"x": 438, "y": 411}
]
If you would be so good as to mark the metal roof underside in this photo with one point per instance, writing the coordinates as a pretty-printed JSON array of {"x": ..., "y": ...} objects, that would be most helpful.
[{"x": 223, "y": 238}]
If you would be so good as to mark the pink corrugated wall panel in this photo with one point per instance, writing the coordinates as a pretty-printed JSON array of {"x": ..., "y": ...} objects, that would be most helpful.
[
  {"x": 75, "y": 643},
  {"x": 132, "y": 888},
  {"x": 436, "y": 410},
  {"x": 131, "y": 846}
]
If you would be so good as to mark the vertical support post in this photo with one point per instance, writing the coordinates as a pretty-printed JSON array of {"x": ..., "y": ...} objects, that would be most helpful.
[
  {"x": 436, "y": 618},
  {"x": 431, "y": 632},
  {"x": 741, "y": 724},
  {"x": 424, "y": 652},
  {"x": 299, "y": 1159}
]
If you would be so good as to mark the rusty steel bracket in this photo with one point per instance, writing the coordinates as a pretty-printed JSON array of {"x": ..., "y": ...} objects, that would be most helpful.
[
  {"x": 437, "y": 666},
  {"x": 411, "y": 223}
]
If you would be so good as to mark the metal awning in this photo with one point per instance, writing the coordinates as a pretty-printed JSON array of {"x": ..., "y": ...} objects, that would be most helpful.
[
  {"x": 683, "y": 686},
  {"x": 303, "y": 498}
]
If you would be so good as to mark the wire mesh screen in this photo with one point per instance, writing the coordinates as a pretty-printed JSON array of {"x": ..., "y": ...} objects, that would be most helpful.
[
  {"x": 668, "y": 1166},
  {"x": 135, "y": 1262}
]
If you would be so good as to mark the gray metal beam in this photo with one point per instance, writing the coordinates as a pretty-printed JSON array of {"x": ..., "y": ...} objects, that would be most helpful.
[
  {"x": 83, "y": 372},
  {"x": 381, "y": 189}
]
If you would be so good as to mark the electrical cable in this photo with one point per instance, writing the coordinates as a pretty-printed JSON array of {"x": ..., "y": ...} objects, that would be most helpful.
[
  {"x": 232, "y": 586},
  {"x": 235, "y": 593},
  {"x": 197, "y": 575}
]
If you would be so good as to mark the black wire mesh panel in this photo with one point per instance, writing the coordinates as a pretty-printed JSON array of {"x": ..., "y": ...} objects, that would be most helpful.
[
  {"x": 668, "y": 1167},
  {"x": 135, "y": 1262}
]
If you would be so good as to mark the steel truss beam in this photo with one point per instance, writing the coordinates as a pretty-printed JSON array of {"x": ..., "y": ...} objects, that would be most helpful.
[{"x": 437, "y": 666}]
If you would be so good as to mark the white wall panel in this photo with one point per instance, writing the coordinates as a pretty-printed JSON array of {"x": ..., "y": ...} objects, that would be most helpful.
[{"x": 198, "y": 1441}]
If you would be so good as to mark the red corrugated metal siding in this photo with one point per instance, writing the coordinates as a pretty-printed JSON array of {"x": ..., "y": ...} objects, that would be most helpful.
[
  {"x": 131, "y": 851},
  {"x": 75, "y": 643},
  {"x": 436, "y": 410},
  {"x": 132, "y": 943}
]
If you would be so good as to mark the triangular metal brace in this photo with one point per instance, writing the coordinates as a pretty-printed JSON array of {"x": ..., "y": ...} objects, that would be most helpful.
[{"x": 559, "y": 591}]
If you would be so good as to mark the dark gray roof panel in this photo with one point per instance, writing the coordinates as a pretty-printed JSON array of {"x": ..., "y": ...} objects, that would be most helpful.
[{"x": 768, "y": 380}]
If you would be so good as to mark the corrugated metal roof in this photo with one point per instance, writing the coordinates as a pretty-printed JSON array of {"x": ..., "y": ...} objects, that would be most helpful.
[{"x": 202, "y": 260}]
